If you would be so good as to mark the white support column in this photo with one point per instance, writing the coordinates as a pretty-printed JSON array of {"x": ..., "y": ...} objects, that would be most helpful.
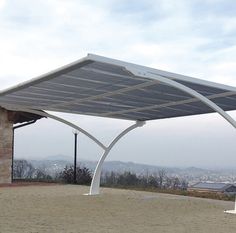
[
  {"x": 94, "y": 189},
  {"x": 232, "y": 211}
]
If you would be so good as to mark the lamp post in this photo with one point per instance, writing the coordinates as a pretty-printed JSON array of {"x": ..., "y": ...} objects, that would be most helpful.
[{"x": 75, "y": 154}]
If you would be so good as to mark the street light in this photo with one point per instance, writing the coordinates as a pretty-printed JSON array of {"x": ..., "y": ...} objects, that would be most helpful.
[{"x": 75, "y": 132}]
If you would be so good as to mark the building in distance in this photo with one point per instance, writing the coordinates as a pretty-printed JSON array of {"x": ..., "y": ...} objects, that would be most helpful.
[{"x": 213, "y": 187}]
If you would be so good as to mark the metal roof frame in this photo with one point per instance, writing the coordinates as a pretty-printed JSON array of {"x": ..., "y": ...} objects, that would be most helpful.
[
  {"x": 149, "y": 108},
  {"x": 93, "y": 57}
]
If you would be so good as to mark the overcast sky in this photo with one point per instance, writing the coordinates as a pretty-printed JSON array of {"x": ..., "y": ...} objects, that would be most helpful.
[{"x": 195, "y": 38}]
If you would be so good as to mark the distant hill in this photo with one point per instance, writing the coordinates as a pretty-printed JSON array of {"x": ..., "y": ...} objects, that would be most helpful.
[
  {"x": 58, "y": 162},
  {"x": 119, "y": 166}
]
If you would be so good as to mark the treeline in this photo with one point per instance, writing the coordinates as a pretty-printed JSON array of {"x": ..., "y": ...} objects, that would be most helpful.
[
  {"x": 158, "y": 180},
  {"x": 24, "y": 170}
]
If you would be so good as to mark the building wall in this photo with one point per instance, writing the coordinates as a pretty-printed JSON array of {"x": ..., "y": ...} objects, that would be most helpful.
[{"x": 6, "y": 135}]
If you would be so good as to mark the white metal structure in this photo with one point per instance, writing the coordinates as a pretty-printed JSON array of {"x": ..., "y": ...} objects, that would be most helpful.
[
  {"x": 94, "y": 189},
  {"x": 106, "y": 87},
  {"x": 95, "y": 185},
  {"x": 232, "y": 211}
]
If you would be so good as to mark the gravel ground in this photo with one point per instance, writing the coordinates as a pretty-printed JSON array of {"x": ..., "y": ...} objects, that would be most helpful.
[{"x": 64, "y": 208}]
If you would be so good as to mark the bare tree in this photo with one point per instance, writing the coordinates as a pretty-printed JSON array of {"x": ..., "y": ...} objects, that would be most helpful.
[
  {"x": 161, "y": 177},
  {"x": 23, "y": 169},
  {"x": 41, "y": 174},
  {"x": 184, "y": 184},
  {"x": 153, "y": 181},
  {"x": 176, "y": 183}
]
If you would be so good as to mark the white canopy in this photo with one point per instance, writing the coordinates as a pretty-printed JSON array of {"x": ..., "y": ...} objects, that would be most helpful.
[{"x": 106, "y": 87}]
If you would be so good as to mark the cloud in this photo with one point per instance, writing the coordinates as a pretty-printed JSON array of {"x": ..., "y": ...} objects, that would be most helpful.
[
  {"x": 40, "y": 36},
  {"x": 2, "y": 3},
  {"x": 195, "y": 38}
]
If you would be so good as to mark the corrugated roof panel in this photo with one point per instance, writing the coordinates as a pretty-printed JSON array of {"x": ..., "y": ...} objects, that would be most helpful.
[
  {"x": 154, "y": 95},
  {"x": 96, "y": 76},
  {"x": 205, "y": 90},
  {"x": 226, "y": 103}
]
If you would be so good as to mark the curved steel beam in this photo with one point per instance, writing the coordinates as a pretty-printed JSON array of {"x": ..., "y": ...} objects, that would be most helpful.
[
  {"x": 62, "y": 121},
  {"x": 94, "y": 188},
  {"x": 187, "y": 90}
]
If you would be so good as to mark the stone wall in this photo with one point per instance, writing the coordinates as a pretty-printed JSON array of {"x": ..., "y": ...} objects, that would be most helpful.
[{"x": 6, "y": 134}]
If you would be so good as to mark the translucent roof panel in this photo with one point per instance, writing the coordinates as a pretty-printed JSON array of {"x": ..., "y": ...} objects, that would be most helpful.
[{"x": 106, "y": 87}]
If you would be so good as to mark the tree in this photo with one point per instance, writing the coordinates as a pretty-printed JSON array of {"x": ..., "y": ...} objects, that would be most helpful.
[
  {"x": 161, "y": 177},
  {"x": 23, "y": 169},
  {"x": 153, "y": 181},
  {"x": 168, "y": 183},
  {"x": 128, "y": 178},
  {"x": 83, "y": 175},
  {"x": 41, "y": 174},
  {"x": 184, "y": 184},
  {"x": 109, "y": 178},
  {"x": 176, "y": 183}
]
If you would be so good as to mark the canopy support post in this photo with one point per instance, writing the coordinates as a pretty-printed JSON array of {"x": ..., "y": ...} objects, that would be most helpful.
[
  {"x": 232, "y": 211},
  {"x": 94, "y": 188}
]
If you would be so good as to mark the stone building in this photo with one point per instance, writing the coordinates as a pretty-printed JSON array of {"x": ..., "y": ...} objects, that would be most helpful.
[{"x": 9, "y": 119}]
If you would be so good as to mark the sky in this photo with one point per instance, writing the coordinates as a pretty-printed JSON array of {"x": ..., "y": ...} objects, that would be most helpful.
[{"x": 190, "y": 37}]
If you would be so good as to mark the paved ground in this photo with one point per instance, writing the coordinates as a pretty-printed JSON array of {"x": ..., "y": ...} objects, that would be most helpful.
[{"x": 63, "y": 208}]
